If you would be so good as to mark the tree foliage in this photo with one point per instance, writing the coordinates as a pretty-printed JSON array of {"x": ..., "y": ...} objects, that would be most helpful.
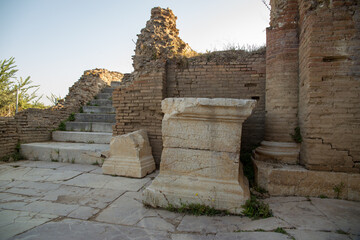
[{"x": 9, "y": 84}]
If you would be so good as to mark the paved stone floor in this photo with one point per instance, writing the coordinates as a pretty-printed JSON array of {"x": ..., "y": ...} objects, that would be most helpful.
[{"x": 50, "y": 200}]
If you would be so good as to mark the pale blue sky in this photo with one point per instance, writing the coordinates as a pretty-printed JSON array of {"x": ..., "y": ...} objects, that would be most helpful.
[{"x": 55, "y": 41}]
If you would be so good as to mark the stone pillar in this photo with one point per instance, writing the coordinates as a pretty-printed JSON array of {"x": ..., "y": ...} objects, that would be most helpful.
[
  {"x": 282, "y": 79},
  {"x": 200, "y": 162}
]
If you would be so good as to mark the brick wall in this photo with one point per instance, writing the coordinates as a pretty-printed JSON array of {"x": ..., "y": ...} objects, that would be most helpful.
[
  {"x": 138, "y": 105},
  {"x": 233, "y": 74},
  {"x": 329, "y": 102},
  {"x": 282, "y": 72},
  {"x": 35, "y": 125},
  {"x": 9, "y": 136},
  {"x": 228, "y": 74}
]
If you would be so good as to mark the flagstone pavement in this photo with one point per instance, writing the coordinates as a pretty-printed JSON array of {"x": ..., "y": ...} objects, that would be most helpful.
[{"x": 51, "y": 200}]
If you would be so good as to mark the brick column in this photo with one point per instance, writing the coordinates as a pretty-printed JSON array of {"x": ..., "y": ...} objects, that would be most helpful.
[{"x": 281, "y": 85}]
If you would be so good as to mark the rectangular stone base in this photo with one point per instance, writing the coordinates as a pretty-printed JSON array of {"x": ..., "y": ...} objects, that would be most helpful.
[
  {"x": 295, "y": 180},
  {"x": 137, "y": 168},
  {"x": 176, "y": 189}
]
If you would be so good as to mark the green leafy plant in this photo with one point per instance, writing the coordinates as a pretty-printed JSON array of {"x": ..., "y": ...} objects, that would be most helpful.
[
  {"x": 297, "y": 135},
  {"x": 338, "y": 189},
  {"x": 260, "y": 190},
  {"x": 322, "y": 196},
  {"x": 71, "y": 117},
  {"x": 256, "y": 209},
  {"x": 62, "y": 126},
  {"x": 96, "y": 163},
  {"x": 280, "y": 230}
]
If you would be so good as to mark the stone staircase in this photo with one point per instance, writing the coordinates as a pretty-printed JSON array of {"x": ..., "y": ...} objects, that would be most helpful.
[{"x": 85, "y": 140}]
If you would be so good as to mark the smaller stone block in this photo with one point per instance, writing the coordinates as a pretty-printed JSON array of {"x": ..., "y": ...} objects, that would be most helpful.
[{"x": 130, "y": 156}]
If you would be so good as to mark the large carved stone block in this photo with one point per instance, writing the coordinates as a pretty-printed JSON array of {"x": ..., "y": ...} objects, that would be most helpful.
[
  {"x": 200, "y": 162},
  {"x": 130, "y": 156}
]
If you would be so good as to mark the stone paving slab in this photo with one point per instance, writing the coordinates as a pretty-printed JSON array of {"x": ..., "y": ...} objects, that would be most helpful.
[
  {"x": 72, "y": 201},
  {"x": 108, "y": 182},
  {"x": 77, "y": 229},
  {"x": 15, "y": 222}
]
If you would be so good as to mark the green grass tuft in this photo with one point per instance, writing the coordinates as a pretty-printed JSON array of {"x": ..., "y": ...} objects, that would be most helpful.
[
  {"x": 256, "y": 209},
  {"x": 280, "y": 230},
  {"x": 196, "y": 209}
]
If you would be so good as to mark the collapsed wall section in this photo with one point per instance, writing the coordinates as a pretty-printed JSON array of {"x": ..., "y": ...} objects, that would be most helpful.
[{"x": 329, "y": 102}]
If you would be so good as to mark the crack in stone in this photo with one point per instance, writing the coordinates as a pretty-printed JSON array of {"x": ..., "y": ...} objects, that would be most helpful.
[
  {"x": 93, "y": 217},
  {"x": 333, "y": 148}
]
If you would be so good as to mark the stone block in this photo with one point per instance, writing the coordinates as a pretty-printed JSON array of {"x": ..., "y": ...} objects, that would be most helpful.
[
  {"x": 200, "y": 159},
  {"x": 295, "y": 180},
  {"x": 130, "y": 156}
]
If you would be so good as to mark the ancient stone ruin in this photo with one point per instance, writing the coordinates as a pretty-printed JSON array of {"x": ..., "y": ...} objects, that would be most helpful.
[
  {"x": 306, "y": 85},
  {"x": 130, "y": 156},
  {"x": 200, "y": 159}
]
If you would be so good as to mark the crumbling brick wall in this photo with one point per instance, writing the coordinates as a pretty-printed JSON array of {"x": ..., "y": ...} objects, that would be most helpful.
[
  {"x": 227, "y": 74},
  {"x": 35, "y": 125},
  {"x": 329, "y": 102}
]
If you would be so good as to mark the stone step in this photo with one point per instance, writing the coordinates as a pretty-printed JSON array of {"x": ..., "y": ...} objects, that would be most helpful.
[
  {"x": 82, "y": 137},
  {"x": 116, "y": 84},
  {"x": 107, "y": 90},
  {"x": 96, "y": 109},
  {"x": 64, "y": 152},
  {"x": 95, "y": 117},
  {"x": 106, "y": 96},
  {"x": 89, "y": 127},
  {"x": 101, "y": 102}
]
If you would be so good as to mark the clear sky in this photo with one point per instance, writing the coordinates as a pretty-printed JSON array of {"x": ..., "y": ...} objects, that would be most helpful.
[{"x": 55, "y": 41}]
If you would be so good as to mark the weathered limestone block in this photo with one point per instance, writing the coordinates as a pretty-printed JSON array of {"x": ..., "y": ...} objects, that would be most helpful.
[
  {"x": 130, "y": 156},
  {"x": 200, "y": 159},
  {"x": 295, "y": 180}
]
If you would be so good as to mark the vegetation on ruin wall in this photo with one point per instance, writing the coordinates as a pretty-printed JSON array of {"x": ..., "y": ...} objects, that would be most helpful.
[{"x": 9, "y": 84}]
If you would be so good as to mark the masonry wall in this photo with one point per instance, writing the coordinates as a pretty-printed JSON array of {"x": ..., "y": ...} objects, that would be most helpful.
[
  {"x": 36, "y": 125},
  {"x": 233, "y": 74},
  {"x": 329, "y": 101},
  {"x": 138, "y": 105},
  {"x": 282, "y": 75},
  {"x": 228, "y": 74},
  {"x": 9, "y": 136}
]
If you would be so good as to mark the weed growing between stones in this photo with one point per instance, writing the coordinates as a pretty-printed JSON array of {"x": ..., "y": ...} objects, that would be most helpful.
[
  {"x": 62, "y": 126},
  {"x": 96, "y": 163},
  {"x": 323, "y": 196},
  {"x": 197, "y": 209},
  {"x": 13, "y": 157},
  {"x": 338, "y": 189},
  {"x": 280, "y": 230},
  {"x": 256, "y": 209},
  {"x": 71, "y": 118}
]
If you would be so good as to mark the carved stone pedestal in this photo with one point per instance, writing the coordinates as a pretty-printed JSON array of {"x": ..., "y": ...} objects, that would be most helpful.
[{"x": 200, "y": 161}]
